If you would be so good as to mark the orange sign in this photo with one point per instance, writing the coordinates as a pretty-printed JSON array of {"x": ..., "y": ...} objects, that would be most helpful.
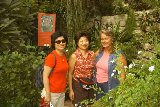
[{"x": 46, "y": 26}]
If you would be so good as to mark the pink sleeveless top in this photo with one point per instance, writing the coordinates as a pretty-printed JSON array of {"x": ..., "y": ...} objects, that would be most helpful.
[
  {"x": 84, "y": 66},
  {"x": 102, "y": 68}
]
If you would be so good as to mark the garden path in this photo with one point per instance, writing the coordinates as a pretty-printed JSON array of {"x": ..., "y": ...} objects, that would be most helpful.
[{"x": 67, "y": 103}]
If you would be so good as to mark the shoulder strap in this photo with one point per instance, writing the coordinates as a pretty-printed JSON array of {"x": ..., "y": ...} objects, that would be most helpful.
[
  {"x": 54, "y": 63},
  {"x": 100, "y": 54}
]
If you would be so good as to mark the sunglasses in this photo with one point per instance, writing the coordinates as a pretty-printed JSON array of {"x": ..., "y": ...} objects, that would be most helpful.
[{"x": 59, "y": 41}]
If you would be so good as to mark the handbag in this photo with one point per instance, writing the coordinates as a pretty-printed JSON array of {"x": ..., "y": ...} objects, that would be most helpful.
[
  {"x": 86, "y": 83},
  {"x": 43, "y": 103}
]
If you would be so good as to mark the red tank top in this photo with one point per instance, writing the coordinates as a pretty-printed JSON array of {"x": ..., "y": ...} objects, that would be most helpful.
[{"x": 84, "y": 66}]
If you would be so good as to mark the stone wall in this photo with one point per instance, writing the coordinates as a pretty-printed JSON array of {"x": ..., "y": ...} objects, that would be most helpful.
[
  {"x": 114, "y": 20},
  {"x": 121, "y": 20}
]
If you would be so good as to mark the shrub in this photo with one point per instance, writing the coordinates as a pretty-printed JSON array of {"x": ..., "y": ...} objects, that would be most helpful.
[
  {"x": 16, "y": 79},
  {"x": 142, "y": 85}
]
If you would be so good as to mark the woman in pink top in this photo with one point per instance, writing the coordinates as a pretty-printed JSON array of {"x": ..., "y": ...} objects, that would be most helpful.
[
  {"x": 106, "y": 61},
  {"x": 81, "y": 64}
]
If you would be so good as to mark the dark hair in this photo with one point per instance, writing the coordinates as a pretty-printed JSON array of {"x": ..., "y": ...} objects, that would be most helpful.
[
  {"x": 57, "y": 34},
  {"x": 82, "y": 34}
]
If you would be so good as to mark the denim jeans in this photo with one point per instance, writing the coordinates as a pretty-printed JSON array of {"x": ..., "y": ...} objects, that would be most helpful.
[{"x": 103, "y": 87}]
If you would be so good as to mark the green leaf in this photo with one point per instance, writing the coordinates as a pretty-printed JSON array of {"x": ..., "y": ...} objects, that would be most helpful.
[{"x": 7, "y": 23}]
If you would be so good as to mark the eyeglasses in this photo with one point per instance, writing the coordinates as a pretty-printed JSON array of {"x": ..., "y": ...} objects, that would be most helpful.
[{"x": 59, "y": 41}]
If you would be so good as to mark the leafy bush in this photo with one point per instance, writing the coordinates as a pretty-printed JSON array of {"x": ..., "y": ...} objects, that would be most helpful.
[
  {"x": 142, "y": 85},
  {"x": 17, "y": 78},
  {"x": 16, "y": 26}
]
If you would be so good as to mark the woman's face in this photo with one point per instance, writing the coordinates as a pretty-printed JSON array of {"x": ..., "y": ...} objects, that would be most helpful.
[
  {"x": 60, "y": 43},
  {"x": 83, "y": 43},
  {"x": 106, "y": 41}
]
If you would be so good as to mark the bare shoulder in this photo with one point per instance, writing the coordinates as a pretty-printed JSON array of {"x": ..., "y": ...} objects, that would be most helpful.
[
  {"x": 72, "y": 61},
  {"x": 122, "y": 56},
  {"x": 73, "y": 56}
]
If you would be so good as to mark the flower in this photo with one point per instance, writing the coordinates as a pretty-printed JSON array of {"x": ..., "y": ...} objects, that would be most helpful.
[
  {"x": 151, "y": 68},
  {"x": 110, "y": 98},
  {"x": 112, "y": 61},
  {"x": 119, "y": 72},
  {"x": 142, "y": 66},
  {"x": 134, "y": 64},
  {"x": 112, "y": 74},
  {"x": 131, "y": 74},
  {"x": 131, "y": 65},
  {"x": 51, "y": 105},
  {"x": 114, "y": 70},
  {"x": 139, "y": 52},
  {"x": 76, "y": 105}
]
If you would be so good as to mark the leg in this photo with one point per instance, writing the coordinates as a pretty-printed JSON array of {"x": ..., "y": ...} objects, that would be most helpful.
[
  {"x": 57, "y": 99},
  {"x": 103, "y": 87},
  {"x": 60, "y": 102}
]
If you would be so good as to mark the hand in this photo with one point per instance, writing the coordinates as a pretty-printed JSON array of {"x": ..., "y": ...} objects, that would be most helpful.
[
  {"x": 71, "y": 95},
  {"x": 47, "y": 98}
]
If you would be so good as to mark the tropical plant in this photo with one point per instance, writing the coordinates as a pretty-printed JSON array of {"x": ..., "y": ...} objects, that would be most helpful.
[
  {"x": 10, "y": 35},
  {"x": 17, "y": 72},
  {"x": 143, "y": 70},
  {"x": 16, "y": 25},
  {"x": 153, "y": 3},
  {"x": 143, "y": 77}
]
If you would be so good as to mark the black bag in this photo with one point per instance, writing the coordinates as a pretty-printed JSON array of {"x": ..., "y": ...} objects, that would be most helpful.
[
  {"x": 39, "y": 73},
  {"x": 86, "y": 83}
]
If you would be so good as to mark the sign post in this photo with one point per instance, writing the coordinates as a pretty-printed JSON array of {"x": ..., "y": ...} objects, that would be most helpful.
[{"x": 46, "y": 26}]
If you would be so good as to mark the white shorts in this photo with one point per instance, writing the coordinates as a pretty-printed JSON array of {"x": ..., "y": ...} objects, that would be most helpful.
[{"x": 57, "y": 99}]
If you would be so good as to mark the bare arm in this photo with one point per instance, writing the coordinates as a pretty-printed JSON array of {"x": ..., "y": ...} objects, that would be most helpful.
[
  {"x": 46, "y": 73},
  {"x": 122, "y": 63},
  {"x": 96, "y": 53},
  {"x": 72, "y": 61}
]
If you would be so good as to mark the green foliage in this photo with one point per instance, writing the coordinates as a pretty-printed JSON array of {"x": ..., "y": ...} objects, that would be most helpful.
[
  {"x": 120, "y": 7},
  {"x": 78, "y": 18},
  {"x": 125, "y": 35},
  {"x": 138, "y": 5},
  {"x": 8, "y": 28},
  {"x": 153, "y": 3},
  {"x": 53, "y": 7},
  {"x": 17, "y": 72},
  {"x": 75, "y": 18},
  {"x": 141, "y": 87},
  {"x": 125, "y": 38},
  {"x": 16, "y": 25},
  {"x": 17, "y": 28},
  {"x": 95, "y": 38}
]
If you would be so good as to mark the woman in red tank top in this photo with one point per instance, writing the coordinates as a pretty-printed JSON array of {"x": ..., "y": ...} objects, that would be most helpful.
[{"x": 81, "y": 64}]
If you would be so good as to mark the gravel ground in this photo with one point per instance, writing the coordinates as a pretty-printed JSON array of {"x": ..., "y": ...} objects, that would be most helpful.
[{"x": 67, "y": 103}]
